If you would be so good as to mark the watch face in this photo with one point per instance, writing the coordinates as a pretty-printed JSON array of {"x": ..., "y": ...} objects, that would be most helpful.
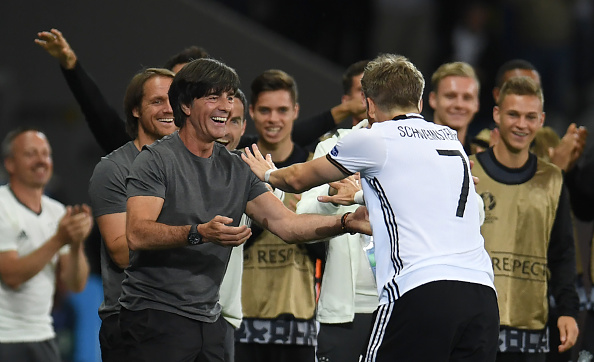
[{"x": 194, "y": 239}]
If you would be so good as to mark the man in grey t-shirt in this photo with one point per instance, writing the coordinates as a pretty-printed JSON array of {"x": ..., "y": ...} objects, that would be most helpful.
[
  {"x": 186, "y": 195},
  {"x": 148, "y": 118}
]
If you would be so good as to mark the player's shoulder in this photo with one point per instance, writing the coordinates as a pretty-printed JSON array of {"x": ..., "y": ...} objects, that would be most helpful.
[
  {"x": 123, "y": 154},
  {"x": 549, "y": 168},
  {"x": 52, "y": 205},
  {"x": 6, "y": 198}
]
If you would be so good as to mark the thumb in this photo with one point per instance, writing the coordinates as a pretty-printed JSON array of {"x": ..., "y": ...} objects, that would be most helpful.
[
  {"x": 324, "y": 199},
  {"x": 222, "y": 219}
]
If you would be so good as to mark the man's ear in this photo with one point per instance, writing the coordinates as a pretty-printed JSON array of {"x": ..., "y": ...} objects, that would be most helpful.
[
  {"x": 345, "y": 98},
  {"x": 135, "y": 112},
  {"x": 371, "y": 108},
  {"x": 496, "y": 114},
  {"x": 243, "y": 126},
  {"x": 420, "y": 105},
  {"x": 496, "y": 94},
  {"x": 251, "y": 111},
  {"x": 432, "y": 100},
  {"x": 186, "y": 109},
  {"x": 9, "y": 165}
]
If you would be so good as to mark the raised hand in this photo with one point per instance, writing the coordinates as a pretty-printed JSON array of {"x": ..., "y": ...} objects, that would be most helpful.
[
  {"x": 342, "y": 192},
  {"x": 75, "y": 226},
  {"x": 257, "y": 162},
  {"x": 571, "y": 147},
  {"x": 56, "y": 45}
]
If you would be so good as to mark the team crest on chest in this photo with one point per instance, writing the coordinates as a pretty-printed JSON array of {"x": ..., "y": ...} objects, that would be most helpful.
[{"x": 334, "y": 151}]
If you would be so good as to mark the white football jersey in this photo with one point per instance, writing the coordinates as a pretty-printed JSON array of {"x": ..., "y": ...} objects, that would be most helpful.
[{"x": 416, "y": 180}]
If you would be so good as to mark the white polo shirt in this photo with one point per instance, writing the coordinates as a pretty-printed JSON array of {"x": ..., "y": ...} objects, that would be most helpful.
[
  {"x": 416, "y": 181},
  {"x": 25, "y": 312}
]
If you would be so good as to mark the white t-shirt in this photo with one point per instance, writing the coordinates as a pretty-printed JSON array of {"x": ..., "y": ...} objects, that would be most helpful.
[
  {"x": 416, "y": 181},
  {"x": 25, "y": 312}
]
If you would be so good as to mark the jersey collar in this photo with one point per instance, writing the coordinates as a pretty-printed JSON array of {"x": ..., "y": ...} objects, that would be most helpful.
[{"x": 407, "y": 116}]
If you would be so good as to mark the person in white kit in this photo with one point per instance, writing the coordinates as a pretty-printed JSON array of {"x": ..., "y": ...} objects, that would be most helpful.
[
  {"x": 434, "y": 277},
  {"x": 348, "y": 296},
  {"x": 37, "y": 234}
]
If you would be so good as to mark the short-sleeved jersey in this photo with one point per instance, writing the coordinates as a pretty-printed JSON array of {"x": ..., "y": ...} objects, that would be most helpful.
[
  {"x": 107, "y": 191},
  {"x": 416, "y": 182},
  {"x": 25, "y": 312},
  {"x": 186, "y": 280}
]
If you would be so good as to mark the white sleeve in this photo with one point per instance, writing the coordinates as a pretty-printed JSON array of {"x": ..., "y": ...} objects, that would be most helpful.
[
  {"x": 360, "y": 151},
  {"x": 8, "y": 233},
  {"x": 309, "y": 203}
]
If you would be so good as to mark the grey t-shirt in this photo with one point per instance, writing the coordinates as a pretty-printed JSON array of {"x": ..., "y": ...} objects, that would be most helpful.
[
  {"x": 186, "y": 280},
  {"x": 107, "y": 191}
]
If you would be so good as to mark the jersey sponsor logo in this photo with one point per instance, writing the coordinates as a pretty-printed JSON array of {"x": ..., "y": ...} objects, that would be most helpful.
[
  {"x": 334, "y": 151},
  {"x": 518, "y": 266},
  {"x": 275, "y": 256},
  {"x": 428, "y": 134},
  {"x": 22, "y": 236}
]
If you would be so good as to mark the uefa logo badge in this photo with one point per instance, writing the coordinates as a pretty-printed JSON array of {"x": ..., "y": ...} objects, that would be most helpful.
[{"x": 334, "y": 151}]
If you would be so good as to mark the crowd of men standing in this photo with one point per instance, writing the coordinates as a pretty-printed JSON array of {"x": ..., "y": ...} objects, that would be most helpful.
[{"x": 190, "y": 234}]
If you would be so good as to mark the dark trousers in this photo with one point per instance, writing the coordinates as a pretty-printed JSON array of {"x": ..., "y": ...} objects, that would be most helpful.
[
  {"x": 153, "y": 335},
  {"x": 110, "y": 340},
  {"x": 437, "y": 321},
  {"x": 44, "y": 351},
  {"x": 521, "y": 357},
  {"x": 344, "y": 342},
  {"x": 229, "y": 342},
  {"x": 256, "y": 352}
]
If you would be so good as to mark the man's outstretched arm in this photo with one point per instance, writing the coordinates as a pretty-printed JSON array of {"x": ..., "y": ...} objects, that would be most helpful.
[
  {"x": 272, "y": 214},
  {"x": 104, "y": 121},
  {"x": 296, "y": 178}
]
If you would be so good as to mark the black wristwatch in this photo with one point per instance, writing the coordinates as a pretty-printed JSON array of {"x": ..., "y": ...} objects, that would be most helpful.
[{"x": 194, "y": 237}]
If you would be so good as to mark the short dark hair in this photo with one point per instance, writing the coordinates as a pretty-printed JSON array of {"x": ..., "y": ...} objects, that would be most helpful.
[
  {"x": 273, "y": 80},
  {"x": 197, "y": 79},
  {"x": 134, "y": 94},
  {"x": 11, "y": 136},
  {"x": 185, "y": 56},
  {"x": 352, "y": 71},
  {"x": 521, "y": 86},
  {"x": 511, "y": 65}
]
